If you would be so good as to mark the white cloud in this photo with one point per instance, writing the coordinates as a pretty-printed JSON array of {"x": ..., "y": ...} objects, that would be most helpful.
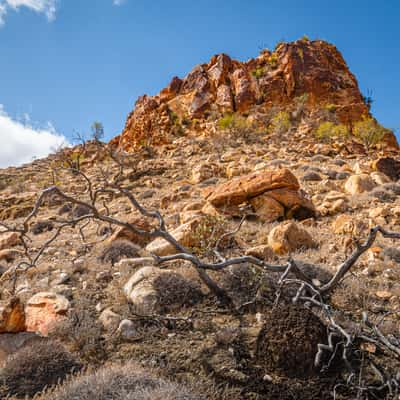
[
  {"x": 46, "y": 7},
  {"x": 21, "y": 142},
  {"x": 118, "y": 2}
]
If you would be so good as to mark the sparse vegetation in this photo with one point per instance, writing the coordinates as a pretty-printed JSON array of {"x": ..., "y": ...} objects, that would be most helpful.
[
  {"x": 125, "y": 382},
  {"x": 328, "y": 131},
  {"x": 281, "y": 123},
  {"x": 369, "y": 132},
  {"x": 235, "y": 125},
  {"x": 118, "y": 250},
  {"x": 35, "y": 367},
  {"x": 258, "y": 72}
]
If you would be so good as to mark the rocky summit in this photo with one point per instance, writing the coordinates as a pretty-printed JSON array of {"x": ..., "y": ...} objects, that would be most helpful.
[
  {"x": 307, "y": 76},
  {"x": 239, "y": 240}
]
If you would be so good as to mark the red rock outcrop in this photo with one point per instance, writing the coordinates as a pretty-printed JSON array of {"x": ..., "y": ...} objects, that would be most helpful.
[{"x": 273, "y": 79}]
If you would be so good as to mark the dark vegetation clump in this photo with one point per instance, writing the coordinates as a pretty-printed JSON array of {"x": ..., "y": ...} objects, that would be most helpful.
[
  {"x": 174, "y": 291},
  {"x": 80, "y": 211},
  {"x": 288, "y": 341},
  {"x": 120, "y": 382},
  {"x": 34, "y": 367},
  {"x": 392, "y": 187},
  {"x": 82, "y": 333},
  {"x": 382, "y": 194},
  {"x": 118, "y": 250},
  {"x": 393, "y": 253},
  {"x": 41, "y": 227},
  {"x": 64, "y": 209}
]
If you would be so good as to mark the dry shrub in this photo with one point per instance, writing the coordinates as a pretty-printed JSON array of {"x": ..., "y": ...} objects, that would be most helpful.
[
  {"x": 120, "y": 382},
  {"x": 382, "y": 194},
  {"x": 175, "y": 292},
  {"x": 34, "y": 367},
  {"x": 241, "y": 282},
  {"x": 393, "y": 253},
  {"x": 353, "y": 294},
  {"x": 82, "y": 333},
  {"x": 118, "y": 250},
  {"x": 64, "y": 209},
  {"x": 41, "y": 227},
  {"x": 288, "y": 341},
  {"x": 80, "y": 211}
]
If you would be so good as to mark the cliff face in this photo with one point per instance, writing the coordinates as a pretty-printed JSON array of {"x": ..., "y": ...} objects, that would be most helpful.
[{"x": 273, "y": 80}]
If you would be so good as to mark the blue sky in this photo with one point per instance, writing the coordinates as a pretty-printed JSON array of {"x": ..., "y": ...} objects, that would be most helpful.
[{"x": 67, "y": 63}]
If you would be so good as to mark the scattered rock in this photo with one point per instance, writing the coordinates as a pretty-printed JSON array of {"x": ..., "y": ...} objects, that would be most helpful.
[
  {"x": 267, "y": 209},
  {"x": 12, "y": 316},
  {"x": 44, "y": 310},
  {"x": 263, "y": 252},
  {"x": 9, "y": 239},
  {"x": 124, "y": 233},
  {"x": 358, "y": 184},
  {"x": 288, "y": 237}
]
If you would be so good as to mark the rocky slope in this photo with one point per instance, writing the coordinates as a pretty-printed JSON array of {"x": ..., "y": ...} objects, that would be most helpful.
[
  {"x": 97, "y": 289},
  {"x": 313, "y": 73}
]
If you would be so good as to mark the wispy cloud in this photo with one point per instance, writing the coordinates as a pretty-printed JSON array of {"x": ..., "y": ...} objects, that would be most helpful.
[
  {"x": 46, "y": 7},
  {"x": 21, "y": 142},
  {"x": 118, "y": 2}
]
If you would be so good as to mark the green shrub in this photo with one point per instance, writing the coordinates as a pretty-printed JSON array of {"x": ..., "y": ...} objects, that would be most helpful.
[
  {"x": 328, "y": 131},
  {"x": 235, "y": 125},
  {"x": 258, "y": 72},
  {"x": 369, "y": 132},
  {"x": 273, "y": 60},
  {"x": 281, "y": 122}
]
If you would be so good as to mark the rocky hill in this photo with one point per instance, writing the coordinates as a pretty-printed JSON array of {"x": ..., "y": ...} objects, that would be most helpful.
[
  {"x": 307, "y": 76},
  {"x": 248, "y": 248}
]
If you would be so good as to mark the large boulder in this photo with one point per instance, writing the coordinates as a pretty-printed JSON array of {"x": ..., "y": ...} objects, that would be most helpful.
[
  {"x": 288, "y": 237},
  {"x": 44, "y": 311},
  {"x": 153, "y": 290},
  {"x": 267, "y": 209},
  {"x": 357, "y": 184},
  {"x": 12, "y": 316},
  {"x": 239, "y": 190},
  {"x": 273, "y": 193}
]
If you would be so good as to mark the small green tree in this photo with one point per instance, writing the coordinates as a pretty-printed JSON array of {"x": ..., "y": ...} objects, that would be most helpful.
[
  {"x": 97, "y": 131},
  {"x": 369, "y": 132},
  {"x": 281, "y": 123},
  {"x": 327, "y": 131},
  {"x": 236, "y": 125}
]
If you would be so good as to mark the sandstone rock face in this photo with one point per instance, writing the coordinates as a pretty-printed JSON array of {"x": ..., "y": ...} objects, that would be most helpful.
[
  {"x": 288, "y": 237},
  {"x": 12, "y": 316},
  {"x": 273, "y": 79},
  {"x": 358, "y": 184},
  {"x": 273, "y": 193},
  {"x": 44, "y": 310}
]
